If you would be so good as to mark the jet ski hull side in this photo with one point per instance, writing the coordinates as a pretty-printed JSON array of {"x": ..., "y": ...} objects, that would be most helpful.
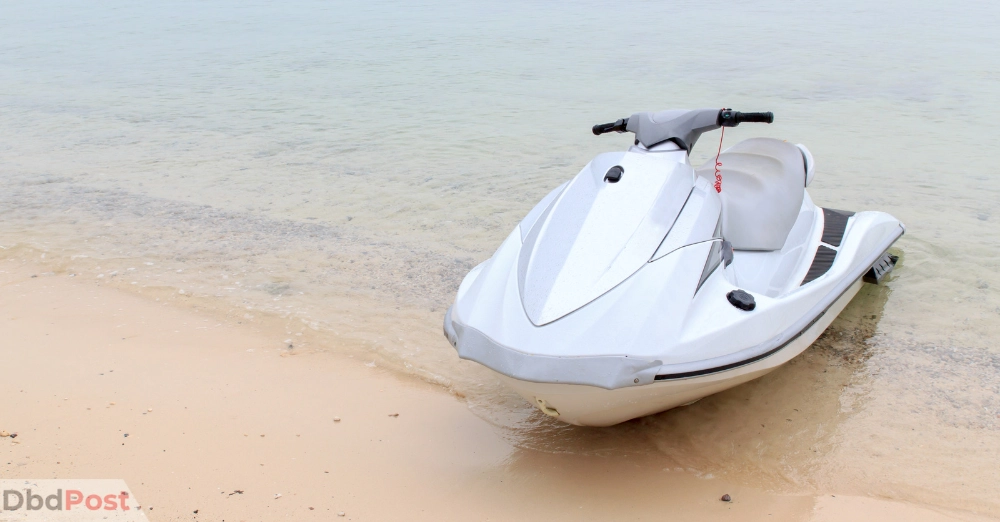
[{"x": 593, "y": 406}]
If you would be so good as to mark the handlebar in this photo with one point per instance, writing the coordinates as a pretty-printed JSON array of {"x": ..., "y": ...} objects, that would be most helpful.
[
  {"x": 726, "y": 118},
  {"x": 683, "y": 127},
  {"x": 617, "y": 126}
]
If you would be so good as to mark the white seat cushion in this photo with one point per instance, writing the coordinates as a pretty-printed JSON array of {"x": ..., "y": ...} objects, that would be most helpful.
[{"x": 763, "y": 183}]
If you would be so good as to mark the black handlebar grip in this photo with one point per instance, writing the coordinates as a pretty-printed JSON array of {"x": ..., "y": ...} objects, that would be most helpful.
[
  {"x": 601, "y": 128},
  {"x": 618, "y": 126},
  {"x": 731, "y": 118},
  {"x": 755, "y": 117}
]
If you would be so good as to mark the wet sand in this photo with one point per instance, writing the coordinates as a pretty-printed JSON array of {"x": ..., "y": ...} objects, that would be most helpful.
[{"x": 236, "y": 422}]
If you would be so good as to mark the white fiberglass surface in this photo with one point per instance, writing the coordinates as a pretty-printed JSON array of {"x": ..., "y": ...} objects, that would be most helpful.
[
  {"x": 697, "y": 221},
  {"x": 780, "y": 271},
  {"x": 597, "y": 233},
  {"x": 491, "y": 304},
  {"x": 539, "y": 209}
]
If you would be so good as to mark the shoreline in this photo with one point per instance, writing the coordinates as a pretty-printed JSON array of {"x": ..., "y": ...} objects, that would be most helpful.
[{"x": 233, "y": 412}]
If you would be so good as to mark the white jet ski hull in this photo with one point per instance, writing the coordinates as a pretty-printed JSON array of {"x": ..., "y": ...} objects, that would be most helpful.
[{"x": 642, "y": 284}]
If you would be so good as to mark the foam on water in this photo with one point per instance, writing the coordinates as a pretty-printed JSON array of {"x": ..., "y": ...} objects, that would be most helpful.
[{"x": 344, "y": 165}]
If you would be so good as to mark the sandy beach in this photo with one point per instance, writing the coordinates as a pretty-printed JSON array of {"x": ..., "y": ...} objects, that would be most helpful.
[{"x": 205, "y": 420}]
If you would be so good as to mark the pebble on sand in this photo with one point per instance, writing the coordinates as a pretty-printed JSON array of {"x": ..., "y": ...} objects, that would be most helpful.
[
  {"x": 394, "y": 415},
  {"x": 4, "y": 434},
  {"x": 336, "y": 419},
  {"x": 149, "y": 410},
  {"x": 726, "y": 498},
  {"x": 341, "y": 514}
]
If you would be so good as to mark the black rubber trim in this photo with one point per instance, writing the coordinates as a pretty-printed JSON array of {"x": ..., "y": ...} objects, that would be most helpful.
[
  {"x": 717, "y": 369},
  {"x": 834, "y": 225},
  {"x": 821, "y": 263}
]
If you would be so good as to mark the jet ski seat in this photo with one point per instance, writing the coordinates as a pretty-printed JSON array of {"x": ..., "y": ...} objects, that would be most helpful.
[{"x": 763, "y": 184}]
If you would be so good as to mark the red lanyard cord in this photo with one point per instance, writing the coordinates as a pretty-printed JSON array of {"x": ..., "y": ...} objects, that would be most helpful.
[{"x": 718, "y": 164}]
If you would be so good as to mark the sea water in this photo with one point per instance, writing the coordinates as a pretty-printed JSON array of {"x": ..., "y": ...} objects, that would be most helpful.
[{"x": 342, "y": 165}]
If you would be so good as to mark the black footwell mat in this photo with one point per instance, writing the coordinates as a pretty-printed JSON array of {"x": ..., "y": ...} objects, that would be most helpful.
[
  {"x": 834, "y": 225},
  {"x": 821, "y": 263}
]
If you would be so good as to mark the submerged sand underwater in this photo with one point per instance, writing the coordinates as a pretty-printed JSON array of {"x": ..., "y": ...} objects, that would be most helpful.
[{"x": 338, "y": 168}]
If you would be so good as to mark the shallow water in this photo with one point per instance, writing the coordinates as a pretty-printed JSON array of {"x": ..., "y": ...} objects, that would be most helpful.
[{"x": 344, "y": 165}]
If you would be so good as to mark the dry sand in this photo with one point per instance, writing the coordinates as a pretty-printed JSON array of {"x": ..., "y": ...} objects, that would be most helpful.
[{"x": 220, "y": 421}]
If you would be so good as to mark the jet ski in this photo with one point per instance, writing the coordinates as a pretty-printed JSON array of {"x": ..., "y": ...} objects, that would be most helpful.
[{"x": 644, "y": 283}]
